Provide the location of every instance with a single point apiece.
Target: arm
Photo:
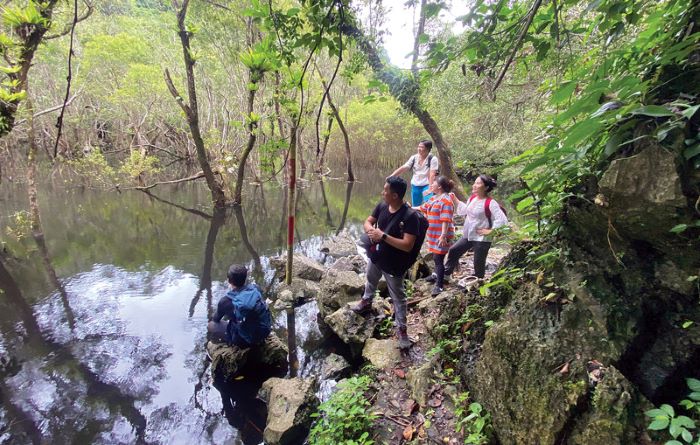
(446, 214)
(399, 170)
(406, 243)
(369, 223)
(433, 168)
(442, 241)
(460, 206)
(221, 309)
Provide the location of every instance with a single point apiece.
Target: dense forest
(585, 111)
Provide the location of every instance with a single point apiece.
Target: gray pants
(396, 291)
(481, 250)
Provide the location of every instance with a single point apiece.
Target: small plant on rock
(472, 420)
(345, 417)
(679, 427)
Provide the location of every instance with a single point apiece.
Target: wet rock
(337, 289)
(303, 267)
(228, 361)
(421, 380)
(341, 245)
(381, 353)
(290, 403)
(675, 278)
(354, 329)
(299, 292)
(334, 367)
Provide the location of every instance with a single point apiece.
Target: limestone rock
(303, 267)
(228, 361)
(354, 329)
(339, 288)
(341, 245)
(300, 291)
(420, 380)
(354, 263)
(381, 353)
(290, 403)
(334, 367)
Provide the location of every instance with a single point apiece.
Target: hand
(484, 232)
(375, 234)
(442, 241)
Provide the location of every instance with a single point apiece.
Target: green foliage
(16, 16)
(138, 164)
(665, 418)
(93, 167)
(472, 420)
(21, 225)
(344, 418)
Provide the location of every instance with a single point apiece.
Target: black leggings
(439, 268)
(481, 250)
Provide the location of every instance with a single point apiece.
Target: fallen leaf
(421, 431)
(395, 404)
(400, 373)
(408, 432)
(409, 407)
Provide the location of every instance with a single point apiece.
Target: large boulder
(354, 263)
(334, 367)
(341, 245)
(290, 403)
(299, 292)
(303, 267)
(228, 361)
(381, 353)
(337, 289)
(354, 329)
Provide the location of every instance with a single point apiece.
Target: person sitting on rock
(249, 320)
(397, 227)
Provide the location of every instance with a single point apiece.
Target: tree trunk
(322, 156)
(191, 109)
(348, 157)
(252, 136)
(407, 91)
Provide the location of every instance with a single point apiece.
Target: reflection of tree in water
(65, 415)
(243, 410)
(53, 277)
(348, 194)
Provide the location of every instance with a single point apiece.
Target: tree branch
(68, 28)
(174, 181)
(518, 42)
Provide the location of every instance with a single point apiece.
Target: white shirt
(421, 172)
(476, 217)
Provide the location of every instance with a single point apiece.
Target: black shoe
(432, 278)
(362, 307)
(404, 341)
(436, 291)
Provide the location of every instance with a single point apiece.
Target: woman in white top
(478, 225)
(425, 168)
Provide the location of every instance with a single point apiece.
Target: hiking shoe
(404, 342)
(362, 307)
(432, 278)
(436, 291)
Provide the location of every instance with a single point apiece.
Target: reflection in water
(326, 207)
(348, 194)
(126, 371)
(215, 223)
(51, 272)
(97, 393)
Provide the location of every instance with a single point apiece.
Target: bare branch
(175, 93)
(199, 175)
(67, 29)
(516, 47)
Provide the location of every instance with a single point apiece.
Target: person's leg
(481, 251)
(455, 253)
(439, 269)
(217, 331)
(398, 298)
(416, 195)
(373, 275)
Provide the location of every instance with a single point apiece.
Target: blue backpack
(251, 319)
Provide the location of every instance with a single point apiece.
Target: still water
(103, 321)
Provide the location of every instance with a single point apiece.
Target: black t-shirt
(391, 259)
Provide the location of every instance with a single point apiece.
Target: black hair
(427, 143)
(237, 275)
(445, 183)
(489, 182)
(397, 185)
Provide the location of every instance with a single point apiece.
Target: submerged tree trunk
(407, 91)
(320, 162)
(191, 109)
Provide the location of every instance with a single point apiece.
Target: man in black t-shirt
(393, 228)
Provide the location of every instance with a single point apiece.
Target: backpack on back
(487, 207)
(252, 316)
(422, 231)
